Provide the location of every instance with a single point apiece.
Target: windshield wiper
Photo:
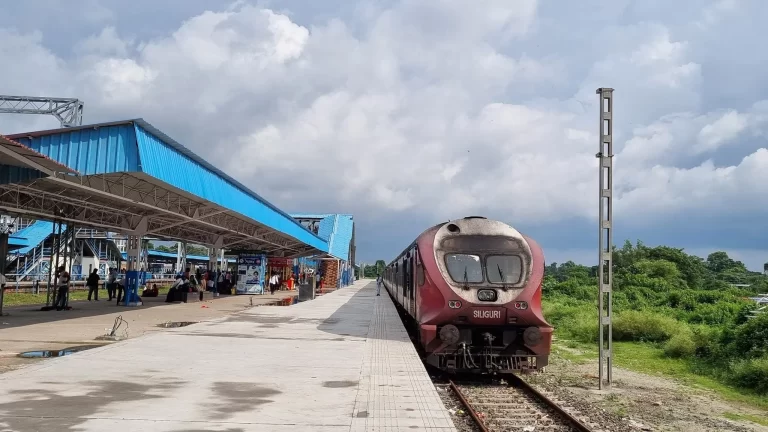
(466, 279)
(501, 275)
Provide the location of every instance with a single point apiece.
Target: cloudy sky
(408, 113)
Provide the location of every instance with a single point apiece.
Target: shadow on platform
(355, 317)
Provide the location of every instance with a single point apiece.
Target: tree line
(371, 270)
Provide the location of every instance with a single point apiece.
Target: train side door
(399, 282)
(396, 281)
(403, 273)
(418, 276)
(408, 266)
(410, 280)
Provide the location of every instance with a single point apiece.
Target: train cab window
(464, 268)
(504, 269)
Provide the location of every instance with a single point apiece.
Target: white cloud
(711, 14)
(422, 108)
(108, 42)
(724, 129)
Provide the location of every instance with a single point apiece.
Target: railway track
(515, 406)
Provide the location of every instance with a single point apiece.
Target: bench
(194, 297)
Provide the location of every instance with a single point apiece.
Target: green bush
(714, 314)
(572, 319)
(683, 299)
(751, 338)
(706, 340)
(751, 373)
(645, 326)
(680, 345)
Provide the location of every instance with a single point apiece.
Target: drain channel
(175, 324)
(56, 353)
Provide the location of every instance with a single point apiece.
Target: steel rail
(581, 427)
(468, 406)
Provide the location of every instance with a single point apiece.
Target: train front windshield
(504, 269)
(497, 260)
(464, 268)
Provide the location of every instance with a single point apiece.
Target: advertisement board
(250, 274)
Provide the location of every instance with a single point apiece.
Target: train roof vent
(475, 217)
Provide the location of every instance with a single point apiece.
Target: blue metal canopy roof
(336, 229)
(31, 236)
(137, 146)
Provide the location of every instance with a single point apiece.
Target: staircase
(92, 233)
(35, 261)
(96, 248)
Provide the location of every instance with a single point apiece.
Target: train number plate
(488, 315)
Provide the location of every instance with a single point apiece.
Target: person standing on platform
(378, 284)
(220, 284)
(63, 288)
(119, 287)
(205, 283)
(111, 282)
(211, 282)
(93, 285)
(3, 281)
(272, 283)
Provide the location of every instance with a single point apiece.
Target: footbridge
(129, 177)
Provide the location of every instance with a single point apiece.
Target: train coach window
(464, 268)
(420, 275)
(504, 269)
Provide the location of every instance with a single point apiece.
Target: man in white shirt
(62, 281)
(111, 282)
(120, 285)
(273, 283)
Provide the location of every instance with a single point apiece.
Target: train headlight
(521, 305)
(486, 295)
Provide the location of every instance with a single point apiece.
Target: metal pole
(72, 252)
(3, 255)
(179, 264)
(605, 236)
(55, 270)
(50, 264)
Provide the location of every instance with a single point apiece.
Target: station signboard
(279, 262)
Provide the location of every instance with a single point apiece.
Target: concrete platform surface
(342, 362)
(26, 328)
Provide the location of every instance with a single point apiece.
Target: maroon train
(471, 290)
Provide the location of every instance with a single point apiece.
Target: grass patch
(746, 417)
(574, 354)
(649, 359)
(29, 299)
(613, 403)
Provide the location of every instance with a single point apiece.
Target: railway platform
(342, 362)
